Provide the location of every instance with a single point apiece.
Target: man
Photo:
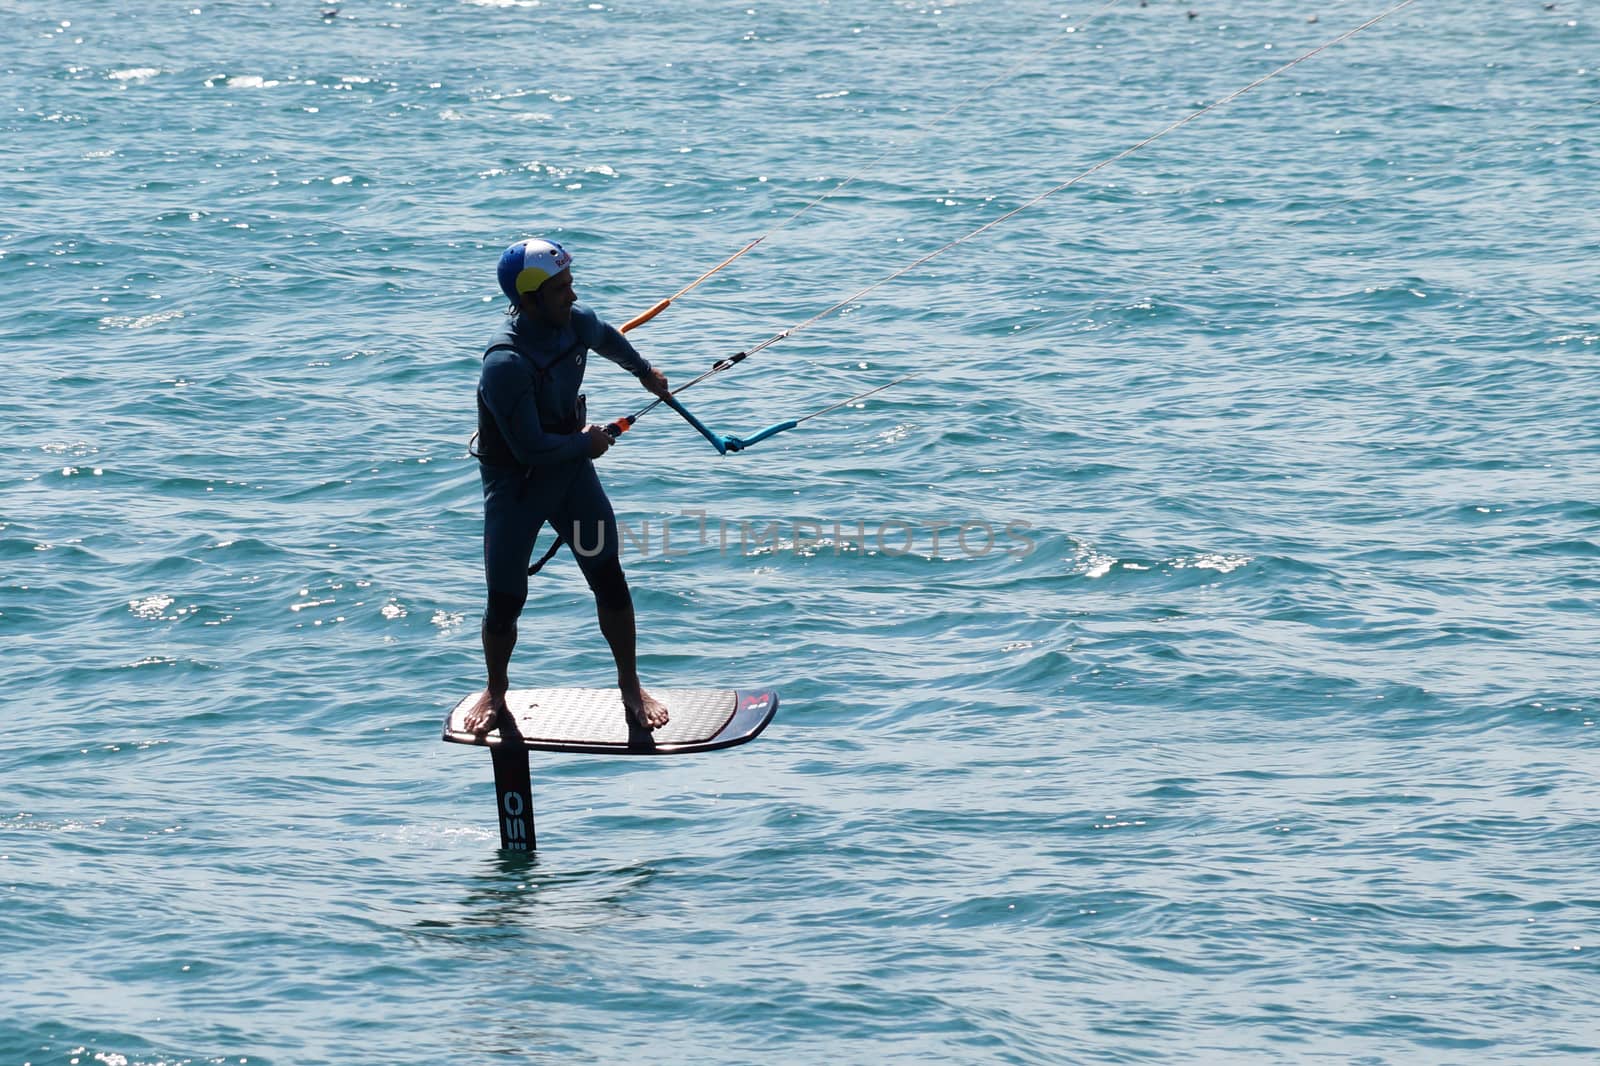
(536, 455)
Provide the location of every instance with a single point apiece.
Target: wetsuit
(534, 458)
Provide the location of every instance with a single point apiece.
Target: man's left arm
(608, 341)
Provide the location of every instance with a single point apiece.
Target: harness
(488, 445)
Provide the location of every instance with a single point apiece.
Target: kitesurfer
(535, 458)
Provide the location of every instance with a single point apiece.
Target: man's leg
(512, 514)
(499, 633)
(617, 624)
(591, 525)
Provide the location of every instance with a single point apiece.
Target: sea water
(1196, 662)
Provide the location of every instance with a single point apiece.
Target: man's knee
(500, 616)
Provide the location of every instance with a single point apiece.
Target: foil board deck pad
(592, 721)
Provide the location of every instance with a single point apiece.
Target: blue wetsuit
(534, 457)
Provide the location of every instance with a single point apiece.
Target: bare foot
(644, 710)
(483, 715)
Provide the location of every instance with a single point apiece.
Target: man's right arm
(507, 388)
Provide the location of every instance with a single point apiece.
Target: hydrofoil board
(592, 721)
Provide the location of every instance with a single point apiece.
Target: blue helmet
(528, 264)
